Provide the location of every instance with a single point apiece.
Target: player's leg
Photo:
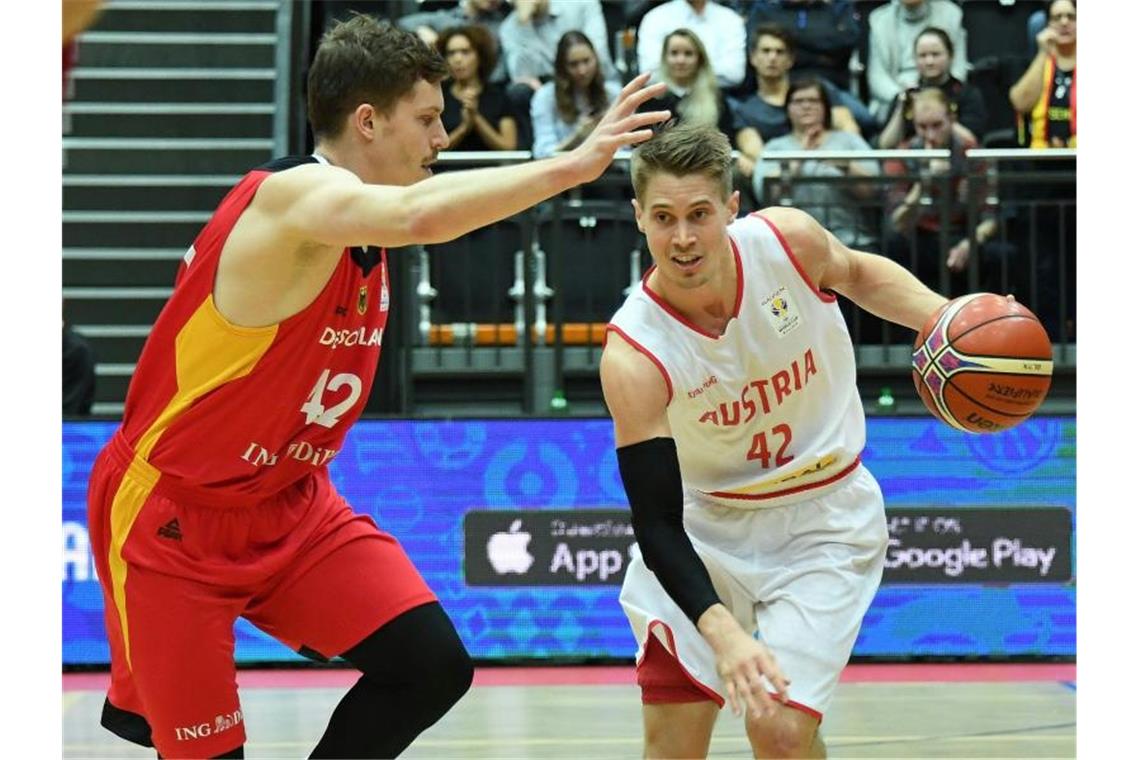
(677, 717)
(122, 709)
(172, 670)
(791, 732)
(821, 583)
(676, 668)
(355, 593)
(414, 669)
(180, 645)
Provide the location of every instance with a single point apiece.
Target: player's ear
(637, 214)
(733, 204)
(364, 120)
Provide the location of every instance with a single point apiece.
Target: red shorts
(301, 566)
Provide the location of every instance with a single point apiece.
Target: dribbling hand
(620, 127)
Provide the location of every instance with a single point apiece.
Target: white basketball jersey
(769, 412)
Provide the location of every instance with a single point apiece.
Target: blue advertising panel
(521, 529)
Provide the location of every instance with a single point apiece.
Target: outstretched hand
(620, 127)
(740, 662)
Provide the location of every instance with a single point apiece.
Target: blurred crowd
(532, 74)
(793, 75)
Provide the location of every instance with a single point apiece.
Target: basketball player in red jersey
(213, 500)
(730, 376)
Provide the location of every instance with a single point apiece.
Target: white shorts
(799, 577)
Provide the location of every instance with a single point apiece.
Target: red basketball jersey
(233, 414)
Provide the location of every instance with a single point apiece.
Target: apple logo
(507, 551)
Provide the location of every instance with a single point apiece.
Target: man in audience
(762, 117)
(720, 29)
(894, 27)
(825, 33)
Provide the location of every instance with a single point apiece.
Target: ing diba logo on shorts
(208, 728)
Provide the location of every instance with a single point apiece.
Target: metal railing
(556, 272)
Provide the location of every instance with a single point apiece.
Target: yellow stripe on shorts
(134, 489)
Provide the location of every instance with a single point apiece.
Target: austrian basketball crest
(781, 312)
(362, 300)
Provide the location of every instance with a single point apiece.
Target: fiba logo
(1018, 450)
(779, 306)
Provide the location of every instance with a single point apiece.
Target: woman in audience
(1045, 97)
(566, 109)
(892, 30)
(475, 114)
(832, 204)
(933, 57)
(693, 95)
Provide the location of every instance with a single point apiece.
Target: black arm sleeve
(651, 475)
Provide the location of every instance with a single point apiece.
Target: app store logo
(507, 553)
(567, 547)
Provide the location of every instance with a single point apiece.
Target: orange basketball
(982, 363)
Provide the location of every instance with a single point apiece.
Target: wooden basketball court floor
(881, 711)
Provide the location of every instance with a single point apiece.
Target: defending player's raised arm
(334, 210)
(873, 282)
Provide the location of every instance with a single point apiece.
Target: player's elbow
(428, 223)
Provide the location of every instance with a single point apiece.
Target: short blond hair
(683, 149)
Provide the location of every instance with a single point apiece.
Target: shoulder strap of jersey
(286, 162)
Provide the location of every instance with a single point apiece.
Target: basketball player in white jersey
(730, 376)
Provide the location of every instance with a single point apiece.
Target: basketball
(982, 363)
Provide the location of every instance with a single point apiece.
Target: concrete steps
(172, 102)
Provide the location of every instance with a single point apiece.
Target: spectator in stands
(916, 242)
(719, 28)
(1045, 101)
(1045, 97)
(693, 96)
(489, 13)
(567, 108)
(78, 373)
(529, 36)
(933, 52)
(894, 27)
(809, 112)
(475, 111)
(762, 117)
(824, 32)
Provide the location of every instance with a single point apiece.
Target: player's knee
(782, 736)
(451, 672)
